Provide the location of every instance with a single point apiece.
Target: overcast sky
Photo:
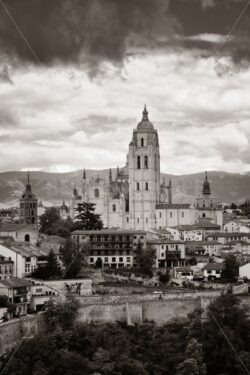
(71, 100)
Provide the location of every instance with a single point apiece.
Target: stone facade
(136, 199)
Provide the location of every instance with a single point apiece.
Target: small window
(138, 162)
(138, 220)
(142, 142)
(171, 214)
(114, 208)
(113, 260)
(146, 186)
(96, 193)
(160, 215)
(91, 260)
(128, 259)
(146, 220)
(146, 162)
(182, 214)
(137, 186)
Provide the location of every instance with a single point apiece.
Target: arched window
(146, 186)
(142, 142)
(27, 238)
(114, 208)
(138, 162)
(33, 220)
(204, 215)
(96, 193)
(146, 162)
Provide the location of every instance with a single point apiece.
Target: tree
(233, 206)
(62, 315)
(231, 270)
(193, 360)
(51, 270)
(227, 322)
(72, 259)
(145, 259)
(98, 263)
(165, 278)
(87, 219)
(52, 224)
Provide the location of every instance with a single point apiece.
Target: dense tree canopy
(52, 224)
(51, 270)
(215, 346)
(231, 270)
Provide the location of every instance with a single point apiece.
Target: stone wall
(12, 332)
(140, 309)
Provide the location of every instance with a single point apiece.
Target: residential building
(115, 248)
(225, 237)
(236, 226)
(25, 257)
(213, 270)
(169, 253)
(211, 248)
(244, 271)
(6, 268)
(17, 291)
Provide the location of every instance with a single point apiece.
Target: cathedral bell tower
(144, 175)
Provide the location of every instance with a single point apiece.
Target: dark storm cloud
(80, 30)
(214, 17)
(92, 31)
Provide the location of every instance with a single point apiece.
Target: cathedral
(135, 198)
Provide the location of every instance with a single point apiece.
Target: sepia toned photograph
(124, 187)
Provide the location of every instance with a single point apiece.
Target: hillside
(52, 188)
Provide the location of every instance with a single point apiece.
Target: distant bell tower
(144, 175)
(28, 205)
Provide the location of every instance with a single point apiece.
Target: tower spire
(28, 177)
(206, 186)
(84, 174)
(145, 114)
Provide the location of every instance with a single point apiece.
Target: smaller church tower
(28, 205)
(206, 186)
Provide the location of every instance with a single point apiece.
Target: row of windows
(113, 260)
(171, 214)
(146, 162)
(6, 269)
(138, 186)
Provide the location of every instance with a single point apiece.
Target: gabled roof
(214, 266)
(15, 282)
(9, 227)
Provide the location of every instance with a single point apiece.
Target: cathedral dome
(145, 124)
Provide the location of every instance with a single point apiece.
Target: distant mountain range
(53, 188)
